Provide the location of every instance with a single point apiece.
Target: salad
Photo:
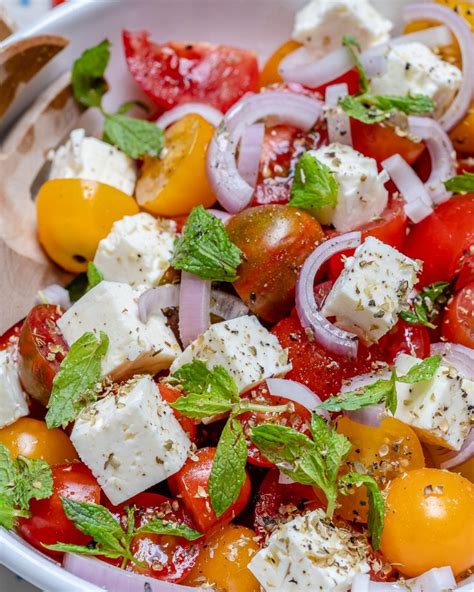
(261, 374)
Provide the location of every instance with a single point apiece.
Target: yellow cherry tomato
(384, 452)
(32, 438)
(429, 522)
(270, 74)
(177, 181)
(462, 135)
(466, 469)
(74, 215)
(223, 561)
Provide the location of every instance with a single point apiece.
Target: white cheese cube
(441, 410)
(243, 347)
(137, 251)
(412, 68)
(362, 195)
(322, 24)
(135, 347)
(372, 289)
(93, 160)
(130, 440)
(13, 401)
(309, 553)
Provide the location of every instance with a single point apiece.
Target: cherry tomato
(381, 141)
(48, 523)
(466, 273)
(41, 349)
(296, 417)
(175, 73)
(10, 337)
(165, 557)
(32, 438)
(429, 522)
(405, 338)
(270, 74)
(385, 452)
(170, 394)
(278, 502)
(275, 241)
(190, 484)
(442, 239)
(458, 320)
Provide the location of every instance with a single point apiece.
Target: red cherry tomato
(405, 338)
(466, 273)
(176, 73)
(443, 239)
(170, 395)
(10, 337)
(458, 320)
(296, 417)
(168, 558)
(48, 523)
(350, 78)
(41, 349)
(190, 484)
(278, 503)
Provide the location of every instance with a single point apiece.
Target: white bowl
(260, 25)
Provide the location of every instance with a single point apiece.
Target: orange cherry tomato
(429, 522)
(385, 452)
(270, 74)
(462, 135)
(458, 320)
(170, 395)
(223, 561)
(32, 438)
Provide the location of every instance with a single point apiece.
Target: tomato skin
(458, 320)
(270, 74)
(10, 337)
(170, 394)
(41, 350)
(191, 479)
(466, 274)
(48, 523)
(275, 241)
(442, 239)
(405, 338)
(176, 73)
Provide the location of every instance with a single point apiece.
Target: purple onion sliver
(315, 73)
(54, 294)
(210, 114)
(250, 151)
(456, 355)
(338, 122)
(194, 307)
(454, 458)
(155, 299)
(296, 392)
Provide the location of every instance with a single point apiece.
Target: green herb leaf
(372, 394)
(314, 185)
(94, 275)
(357, 109)
(205, 248)
(73, 385)
(376, 503)
(129, 105)
(135, 137)
(160, 526)
(425, 370)
(78, 287)
(461, 183)
(351, 42)
(376, 108)
(196, 377)
(88, 82)
(427, 305)
(83, 550)
(196, 406)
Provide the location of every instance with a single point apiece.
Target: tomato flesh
(170, 394)
(405, 338)
(458, 320)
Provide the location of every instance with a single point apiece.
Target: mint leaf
(425, 370)
(135, 137)
(8, 473)
(196, 406)
(377, 108)
(427, 305)
(376, 503)
(88, 82)
(160, 526)
(461, 183)
(372, 394)
(205, 248)
(196, 377)
(129, 105)
(350, 42)
(357, 109)
(83, 550)
(314, 185)
(73, 385)
(94, 275)
(228, 467)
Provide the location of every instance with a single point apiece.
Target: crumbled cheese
(13, 400)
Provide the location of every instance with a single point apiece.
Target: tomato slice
(165, 557)
(176, 73)
(170, 395)
(296, 417)
(466, 273)
(458, 321)
(41, 349)
(190, 484)
(10, 337)
(405, 338)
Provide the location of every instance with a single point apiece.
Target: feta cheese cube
(322, 24)
(301, 556)
(137, 251)
(412, 68)
(134, 347)
(130, 440)
(441, 410)
(93, 160)
(13, 401)
(243, 347)
(372, 289)
(362, 195)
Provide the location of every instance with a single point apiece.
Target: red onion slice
(458, 356)
(224, 216)
(297, 392)
(328, 335)
(338, 122)
(374, 414)
(250, 151)
(115, 579)
(54, 294)
(194, 307)
(227, 306)
(210, 114)
(459, 27)
(442, 153)
(452, 458)
(156, 299)
(438, 579)
(314, 73)
(416, 197)
(232, 191)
